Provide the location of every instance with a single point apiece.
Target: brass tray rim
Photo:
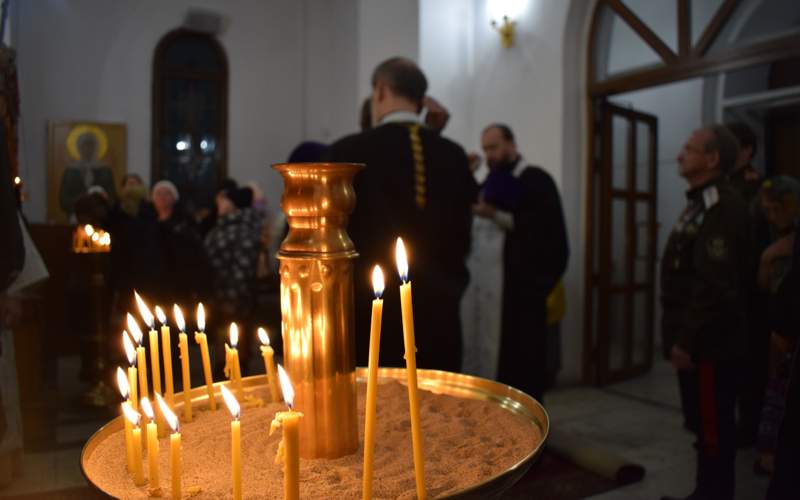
(426, 379)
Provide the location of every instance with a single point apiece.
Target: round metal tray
(439, 382)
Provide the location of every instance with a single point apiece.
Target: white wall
(386, 28)
(331, 103)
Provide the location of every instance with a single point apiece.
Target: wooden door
(625, 217)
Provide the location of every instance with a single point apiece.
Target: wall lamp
(503, 15)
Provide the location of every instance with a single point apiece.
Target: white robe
(482, 304)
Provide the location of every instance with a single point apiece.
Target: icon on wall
(83, 157)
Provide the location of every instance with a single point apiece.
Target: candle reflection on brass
(317, 304)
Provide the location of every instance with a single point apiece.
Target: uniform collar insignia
(710, 196)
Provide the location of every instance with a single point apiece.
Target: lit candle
(155, 364)
(166, 350)
(152, 443)
(411, 366)
(130, 352)
(289, 447)
(372, 381)
(232, 368)
(124, 390)
(138, 336)
(269, 363)
(200, 338)
(183, 342)
(174, 447)
(134, 417)
(236, 442)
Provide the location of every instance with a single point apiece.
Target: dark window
(190, 114)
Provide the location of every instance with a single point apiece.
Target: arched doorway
(636, 45)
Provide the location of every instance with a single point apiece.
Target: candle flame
(172, 420)
(234, 335)
(122, 382)
(17, 180)
(262, 336)
(147, 408)
(201, 317)
(377, 281)
(130, 351)
(105, 240)
(95, 237)
(179, 317)
(132, 415)
(402, 260)
(147, 316)
(286, 387)
(88, 229)
(231, 403)
(136, 332)
(162, 318)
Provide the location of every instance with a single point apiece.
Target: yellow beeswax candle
(186, 377)
(141, 357)
(166, 351)
(152, 444)
(128, 440)
(411, 367)
(136, 442)
(372, 381)
(130, 352)
(269, 364)
(155, 364)
(124, 390)
(236, 442)
(200, 338)
(175, 463)
(174, 447)
(289, 447)
(232, 367)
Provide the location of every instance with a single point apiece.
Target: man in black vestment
(416, 185)
(524, 201)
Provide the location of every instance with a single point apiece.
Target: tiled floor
(641, 420)
(638, 419)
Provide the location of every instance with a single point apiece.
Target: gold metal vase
(316, 270)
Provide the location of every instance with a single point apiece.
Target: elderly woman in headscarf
(181, 262)
(780, 203)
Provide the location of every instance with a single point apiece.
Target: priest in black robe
(524, 202)
(416, 185)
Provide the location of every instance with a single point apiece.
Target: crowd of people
(218, 256)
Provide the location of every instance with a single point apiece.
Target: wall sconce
(506, 30)
(503, 15)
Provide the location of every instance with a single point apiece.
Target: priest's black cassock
(535, 256)
(416, 185)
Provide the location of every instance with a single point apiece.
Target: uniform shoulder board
(710, 196)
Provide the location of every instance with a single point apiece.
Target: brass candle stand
(316, 271)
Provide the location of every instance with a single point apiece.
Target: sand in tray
(466, 442)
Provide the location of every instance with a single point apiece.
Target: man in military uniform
(417, 185)
(705, 271)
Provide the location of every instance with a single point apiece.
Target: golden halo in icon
(77, 131)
